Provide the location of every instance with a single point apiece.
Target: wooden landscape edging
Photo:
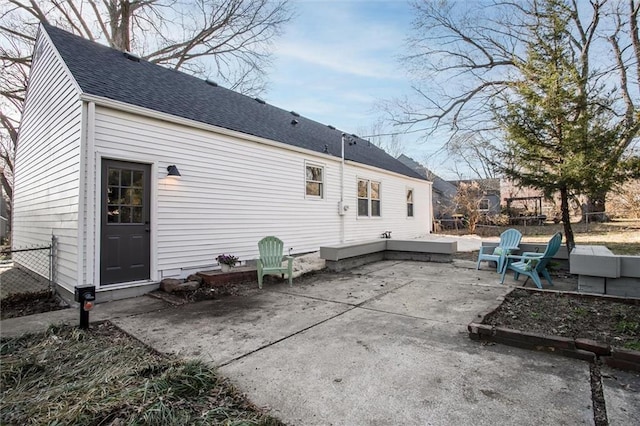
(583, 349)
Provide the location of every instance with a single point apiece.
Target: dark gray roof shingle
(106, 72)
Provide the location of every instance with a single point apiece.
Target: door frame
(97, 217)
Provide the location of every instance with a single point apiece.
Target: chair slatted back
(271, 250)
(552, 248)
(510, 238)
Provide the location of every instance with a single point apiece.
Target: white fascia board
(133, 109)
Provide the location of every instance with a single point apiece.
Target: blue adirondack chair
(533, 264)
(271, 258)
(509, 241)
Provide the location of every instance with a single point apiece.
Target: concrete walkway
(382, 344)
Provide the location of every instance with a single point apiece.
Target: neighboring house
(100, 131)
(443, 192)
(489, 203)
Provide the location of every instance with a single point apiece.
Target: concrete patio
(385, 343)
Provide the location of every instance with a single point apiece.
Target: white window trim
(369, 199)
(323, 186)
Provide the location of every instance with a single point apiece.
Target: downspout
(341, 205)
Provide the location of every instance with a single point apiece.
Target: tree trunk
(566, 219)
(120, 16)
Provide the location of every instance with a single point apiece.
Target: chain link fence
(27, 270)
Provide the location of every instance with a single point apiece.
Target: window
(125, 194)
(368, 198)
(409, 202)
(483, 205)
(314, 181)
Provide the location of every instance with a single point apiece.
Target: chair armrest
(489, 248)
(524, 256)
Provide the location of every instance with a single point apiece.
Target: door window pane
(125, 195)
(114, 177)
(137, 215)
(138, 179)
(125, 177)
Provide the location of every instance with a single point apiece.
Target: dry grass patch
(104, 377)
(620, 236)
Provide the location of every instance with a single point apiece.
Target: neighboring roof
(491, 186)
(108, 73)
(439, 184)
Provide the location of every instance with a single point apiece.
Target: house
(443, 192)
(489, 202)
(105, 135)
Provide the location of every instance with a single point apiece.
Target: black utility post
(86, 296)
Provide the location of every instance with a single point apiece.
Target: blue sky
(339, 58)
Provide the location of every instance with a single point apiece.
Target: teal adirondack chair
(509, 241)
(533, 264)
(271, 258)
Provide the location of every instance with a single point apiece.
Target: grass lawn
(105, 377)
(620, 236)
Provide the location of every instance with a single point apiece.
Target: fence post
(51, 260)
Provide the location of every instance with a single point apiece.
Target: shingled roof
(112, 74)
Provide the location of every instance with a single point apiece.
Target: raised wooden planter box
(584, 349)
(236, 275)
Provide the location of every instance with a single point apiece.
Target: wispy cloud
(339, 59)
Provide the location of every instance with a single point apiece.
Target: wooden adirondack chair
(271, 258)
(509, 241)
(534, 264)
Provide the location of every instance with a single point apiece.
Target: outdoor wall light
(173, 171)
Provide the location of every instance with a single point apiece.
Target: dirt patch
(18, 305)
(572, 316)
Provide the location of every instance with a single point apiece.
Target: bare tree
(624, 202)
(379, 135)
(465, 55)
(227, 40)
(467, 202)
(475, 154)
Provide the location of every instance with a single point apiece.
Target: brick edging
(584, 349)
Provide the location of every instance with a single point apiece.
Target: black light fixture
(173, 171)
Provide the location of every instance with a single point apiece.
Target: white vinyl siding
(234, 192)
(47, 164)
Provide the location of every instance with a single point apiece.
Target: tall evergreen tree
(550, 118)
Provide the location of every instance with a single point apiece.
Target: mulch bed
(21, 304)
(604, 320)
